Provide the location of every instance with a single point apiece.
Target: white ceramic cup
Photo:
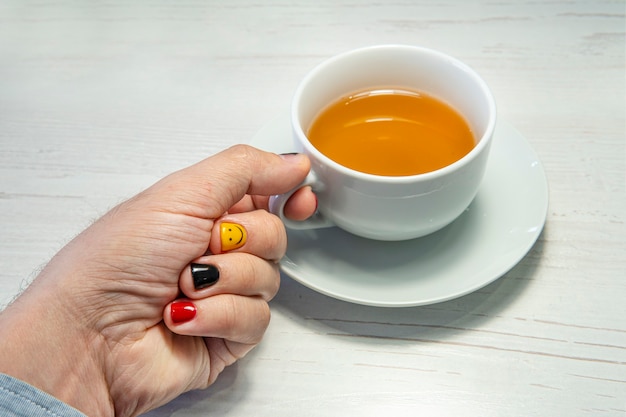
(391, 207)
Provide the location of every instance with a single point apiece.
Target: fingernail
(291, 156)
(182, 311)
(204, 275)
(233, 236)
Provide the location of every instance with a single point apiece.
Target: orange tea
(391, 132)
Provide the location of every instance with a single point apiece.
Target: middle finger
(256, 232)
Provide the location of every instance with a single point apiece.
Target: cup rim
(483, 141)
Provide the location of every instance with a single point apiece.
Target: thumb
(213, 185)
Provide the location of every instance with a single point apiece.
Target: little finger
(230, 317)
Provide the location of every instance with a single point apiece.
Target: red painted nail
(182, 311)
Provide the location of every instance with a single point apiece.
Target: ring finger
(232, 273)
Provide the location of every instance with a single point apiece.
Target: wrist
(42, 345)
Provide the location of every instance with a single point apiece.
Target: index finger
(300, 206)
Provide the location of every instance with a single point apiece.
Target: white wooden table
(100, 99)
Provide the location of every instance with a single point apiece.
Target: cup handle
(316, 221)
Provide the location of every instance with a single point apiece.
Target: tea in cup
(398, 138)
(391, 132)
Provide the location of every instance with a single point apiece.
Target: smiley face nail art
(233, 236)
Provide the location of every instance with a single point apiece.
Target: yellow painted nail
(233, 236)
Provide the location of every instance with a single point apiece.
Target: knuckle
(245, 319)
(274, 284)
(251, 275)
(243, 152)
(276, 229)
(263, 317)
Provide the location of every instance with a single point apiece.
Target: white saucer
(496, 231)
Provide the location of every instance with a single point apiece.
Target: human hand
(99, 327)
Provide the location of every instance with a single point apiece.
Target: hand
(114, 324)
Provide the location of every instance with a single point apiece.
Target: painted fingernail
(204, 275)
(182, 311)
(233, 236)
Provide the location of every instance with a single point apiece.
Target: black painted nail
(204, 275)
